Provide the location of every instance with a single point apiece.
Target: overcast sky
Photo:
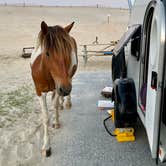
(106, 3)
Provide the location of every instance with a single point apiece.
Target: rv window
(135, 43)
(131, 3)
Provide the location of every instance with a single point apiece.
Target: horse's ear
(44, 27)
(68, 27)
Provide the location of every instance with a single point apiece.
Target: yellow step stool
(122, 134)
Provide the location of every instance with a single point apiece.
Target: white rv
(145, 42)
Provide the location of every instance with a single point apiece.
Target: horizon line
(37, 5)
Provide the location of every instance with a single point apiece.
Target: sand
(19, 111)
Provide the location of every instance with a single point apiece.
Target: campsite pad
(82, 139)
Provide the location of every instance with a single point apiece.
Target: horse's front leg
(57, 105)
(67, 102)
(46, 149)
(61, 101)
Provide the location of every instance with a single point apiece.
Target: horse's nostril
(64, 91)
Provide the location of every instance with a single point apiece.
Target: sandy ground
(20, 122)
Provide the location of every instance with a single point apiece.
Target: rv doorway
(145, 57)
(151, 70)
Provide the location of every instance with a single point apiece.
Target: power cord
(104, 123)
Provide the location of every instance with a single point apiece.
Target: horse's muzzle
(64, 91)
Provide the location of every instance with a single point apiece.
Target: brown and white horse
(53, 64)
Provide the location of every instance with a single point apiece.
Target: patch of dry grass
(15, 104)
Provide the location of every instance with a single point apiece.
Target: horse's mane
(56, 40)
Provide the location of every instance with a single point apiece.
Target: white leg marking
(61, 100)
(67, 102)
(56, 106)
(44, 109)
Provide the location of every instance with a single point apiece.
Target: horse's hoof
(56, 125)
(46, 152)
(68, 106)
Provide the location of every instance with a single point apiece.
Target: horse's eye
(47, 53)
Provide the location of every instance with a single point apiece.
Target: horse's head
(57, 51)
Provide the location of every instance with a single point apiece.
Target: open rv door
(154, 73)
(147, 66)
(161, 147)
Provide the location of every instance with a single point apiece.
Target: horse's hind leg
(56, 106)
(46, 149)
(67, 102)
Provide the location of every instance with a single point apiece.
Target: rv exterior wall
(138, 11)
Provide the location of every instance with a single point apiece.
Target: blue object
(108, 53)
